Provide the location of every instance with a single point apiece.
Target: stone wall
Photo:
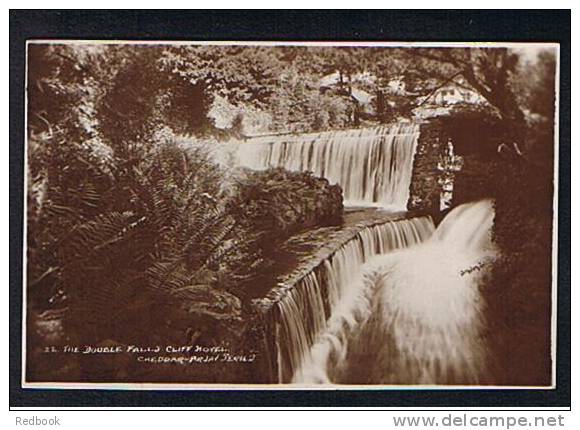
(424, 190)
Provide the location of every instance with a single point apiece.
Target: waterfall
(424, 318)
(328, 299)
(372, 165)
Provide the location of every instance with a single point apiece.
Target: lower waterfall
(330, 297)
(413, 316)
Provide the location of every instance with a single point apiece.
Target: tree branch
(445, 82)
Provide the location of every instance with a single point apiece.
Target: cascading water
(372, 165)
(420, 316)
(328, 298)
(397, 304)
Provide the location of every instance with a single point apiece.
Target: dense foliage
(126, 227)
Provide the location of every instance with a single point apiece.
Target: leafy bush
(155, 226)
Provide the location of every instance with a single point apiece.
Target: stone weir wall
(325, 242)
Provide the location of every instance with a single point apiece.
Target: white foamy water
(412, 316)
(328, 298)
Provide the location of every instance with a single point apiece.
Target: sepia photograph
(290, 215)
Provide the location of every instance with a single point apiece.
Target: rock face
(283, 202)
(425, 188)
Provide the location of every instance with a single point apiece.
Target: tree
(484, 70)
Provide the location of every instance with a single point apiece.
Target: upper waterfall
(372, 165)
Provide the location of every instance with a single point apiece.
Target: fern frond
(96, 234)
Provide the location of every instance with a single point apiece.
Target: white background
(251, 419)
